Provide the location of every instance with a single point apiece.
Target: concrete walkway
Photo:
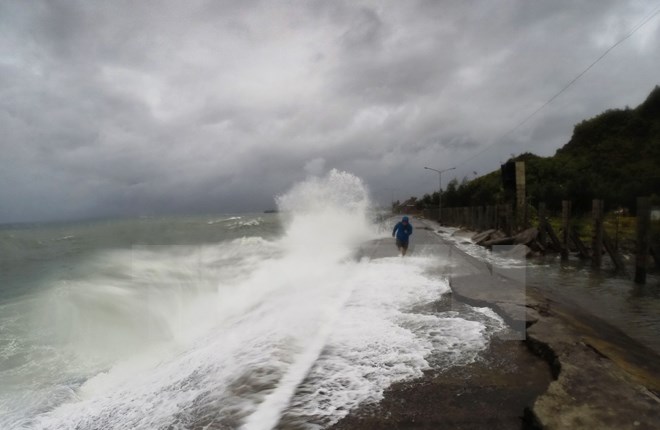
(486, 394)
(602, 378)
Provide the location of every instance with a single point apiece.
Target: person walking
(402, 230)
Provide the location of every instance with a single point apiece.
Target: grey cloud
(365, 31)
(127, 108)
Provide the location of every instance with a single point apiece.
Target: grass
(621, 229)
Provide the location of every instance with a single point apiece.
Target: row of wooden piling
(504, 218)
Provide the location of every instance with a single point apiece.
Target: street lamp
(440, 189)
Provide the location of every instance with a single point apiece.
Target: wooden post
(493, 217)
(643, 238)
(487, 223)
(542, 224)
(486, 217)
(655, 253)
(582, 250)
(478, 217)
(614, 254)
(521, 199)
(503, 219)
(508, 219)
(553, 237)
(475, 218)
(489, 217)
(597, 236)
(566, 226)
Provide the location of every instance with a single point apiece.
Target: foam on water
(236, 222)
(221, 220)
(245, 334)
(498, 256)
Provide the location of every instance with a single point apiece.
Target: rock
(479, 238)
(500, 241)
(462, 234)
(536, 246)
(499, 234)
(527, 236)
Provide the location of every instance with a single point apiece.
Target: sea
(607, 293)
(222, 321)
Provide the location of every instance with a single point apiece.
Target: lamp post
(440, 189)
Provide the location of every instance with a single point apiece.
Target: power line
(639, 25)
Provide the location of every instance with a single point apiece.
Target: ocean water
(612, 296)
(251, 321)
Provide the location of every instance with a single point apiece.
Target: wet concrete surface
(491, 393)
(568, 370)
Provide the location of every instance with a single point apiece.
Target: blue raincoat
(402, 231)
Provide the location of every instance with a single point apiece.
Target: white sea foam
(67, 237)
(222, 220)
(247, 223)
(499, 259)
(249, 332)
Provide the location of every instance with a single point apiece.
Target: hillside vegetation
(614, 156)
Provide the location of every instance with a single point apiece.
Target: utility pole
(440, 172)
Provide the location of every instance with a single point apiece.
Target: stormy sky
(128, 108)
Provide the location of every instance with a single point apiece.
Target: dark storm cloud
(130, 108)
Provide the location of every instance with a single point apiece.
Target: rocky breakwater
(602, 378)
(523, 244)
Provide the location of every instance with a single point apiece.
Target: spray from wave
(327, 216)
(248, 333)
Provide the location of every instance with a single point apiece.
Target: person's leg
(404, 249)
